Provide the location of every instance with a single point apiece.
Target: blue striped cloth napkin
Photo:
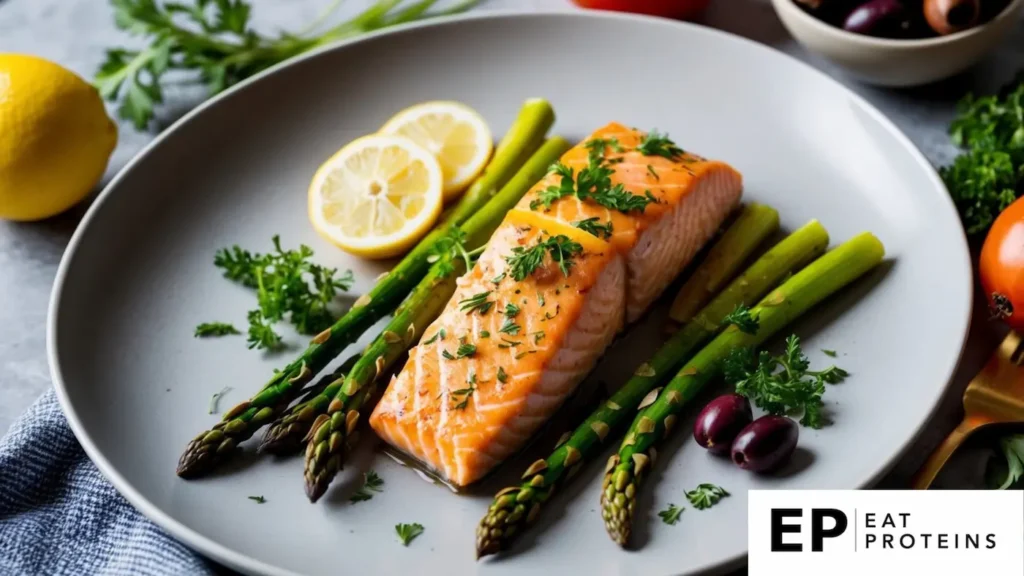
(59, 516)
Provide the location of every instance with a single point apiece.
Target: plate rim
(231, 558)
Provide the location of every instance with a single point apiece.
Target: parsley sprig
(742, 319)
(671, 514)
(371, 483)
(476, 303)
(451, 246)
(989, 175)
(782, 384)
(705, 496)
(594, 227)
(524, 261)
(657, 144)
(288, 284)
(593, 183)
(408, 532)
(212, 41)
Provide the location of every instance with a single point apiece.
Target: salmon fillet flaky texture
(585, 252)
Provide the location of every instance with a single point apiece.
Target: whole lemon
(55, 138)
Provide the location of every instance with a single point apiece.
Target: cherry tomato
(684, 9)
(1002, 266)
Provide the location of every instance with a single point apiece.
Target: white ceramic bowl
(889, 62)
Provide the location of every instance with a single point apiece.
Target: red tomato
(1002, 266)
(669, 8)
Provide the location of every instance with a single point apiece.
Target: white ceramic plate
(138, 277)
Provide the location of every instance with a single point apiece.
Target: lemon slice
(455, 133)
(377, 196)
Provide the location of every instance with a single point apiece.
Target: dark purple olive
(885, 18)
(949, 16)
(720, 421)
(765, 444)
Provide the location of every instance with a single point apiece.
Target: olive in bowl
(900, 42)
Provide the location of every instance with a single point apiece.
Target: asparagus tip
(617, 504)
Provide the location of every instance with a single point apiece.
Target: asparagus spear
(515, 508)
(333, 431)
(625, 470)
(209, 448)
(755, 223)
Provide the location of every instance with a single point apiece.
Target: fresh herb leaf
(502, 376)
(829, 353)
(216, 398)
(497, 279)
(447, 355)
(597, 147)
(476, 302)
(465, 351)
(215, 329)
(408, 532)
(658, 144)
(705, 496)
(511, 310)
(989, 175)
(506, 343)
(653, 173)
(371, 483)
(524, 261)
(742, 319)
(1007, 472)
(509, 327)
(538, 336)
(288, 285)
(258, 499)
(448, 248)
(437, 335)
(212, 42)
(617, 198)
(594, 227)
(485, 334)
(465, 393)
(671, 514)
(782, 384)
(551, 194)
(540, 299)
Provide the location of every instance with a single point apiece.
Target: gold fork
(994, 396)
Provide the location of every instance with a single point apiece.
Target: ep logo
(821, 523)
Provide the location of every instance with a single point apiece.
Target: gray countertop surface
(75, 33)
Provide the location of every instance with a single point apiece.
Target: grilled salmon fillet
(507, 351)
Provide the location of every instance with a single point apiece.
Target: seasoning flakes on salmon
(585, 252)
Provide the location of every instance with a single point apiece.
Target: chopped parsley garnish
(538, 336)
(497, 279)
(439, 335)
(465, 393)
(671, 514)
(597, 146)
(742, 319)
(594, 227)
(658, 144)
(371, 483)
(511, 310)
(549, 195)
(447, 355)
(465, 350)
(485, 334)
(258, 499)
(215, 329)
(782, 384)
(521, 354)
(524, 261)
(476, 302)
(705, 496)
(829, 353)
(502, 376)
(653, 173)
(506, 343)
(540, 299)
(408, 532)
(510, 328)
(549, 315)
